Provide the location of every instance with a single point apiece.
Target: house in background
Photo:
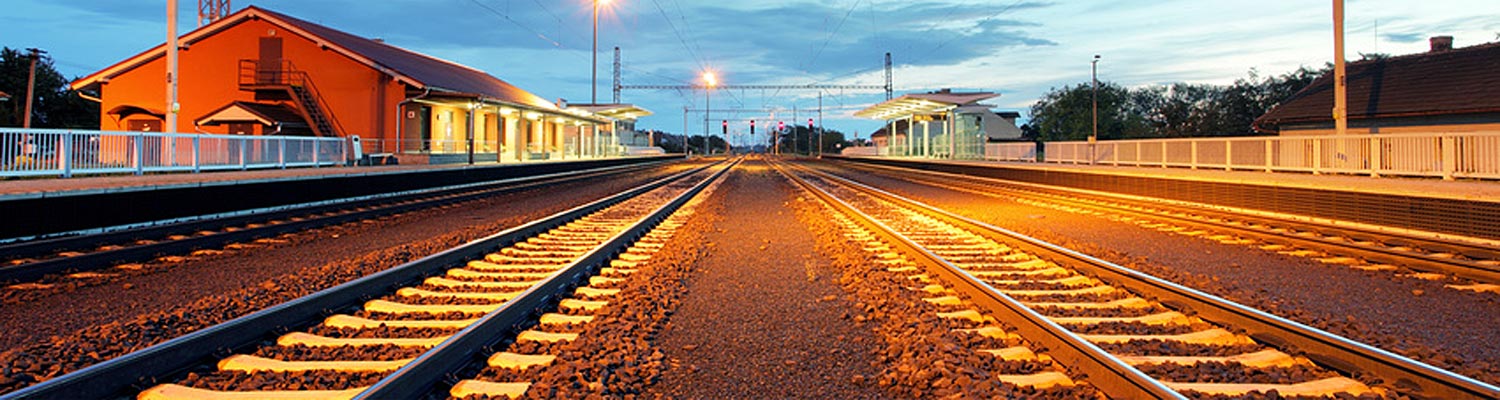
(919, 124)
(259, 72)
(1442, 90)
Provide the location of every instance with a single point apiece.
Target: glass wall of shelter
(946, 135)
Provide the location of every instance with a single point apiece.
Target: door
(269, 69)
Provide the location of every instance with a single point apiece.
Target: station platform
(1463, 209)
(52, 187)
(44, 207)
(1472, 190)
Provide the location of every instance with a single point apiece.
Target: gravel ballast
(171, 298)
(1421, 319)
(762, 318)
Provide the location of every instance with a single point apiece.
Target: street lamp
(709, 81)
(594, 72)
(1094, 135)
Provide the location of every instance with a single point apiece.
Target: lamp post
(709, 82)
(594, 67)
(1094, 134)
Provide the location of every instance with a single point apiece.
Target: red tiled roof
(1458, 81)
(433, 72)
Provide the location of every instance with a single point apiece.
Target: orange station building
(258, 72)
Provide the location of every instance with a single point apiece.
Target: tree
(54, 105)
(1174, 110)
(1067, 113)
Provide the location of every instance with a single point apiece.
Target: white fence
(1446, 155)
(40, 152)
(1010, 151)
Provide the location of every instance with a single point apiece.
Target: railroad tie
(613, 272)
(487, 266)
(1326, 387)
(392, 307)
(173, 391)
(1260, 359)
(311, 340)
(1130, 302)
(1015, 353)
(1101, 289)
(512, 276)
(992, 332)
(350, 321)
(586, 305)
(1040, 380)
(472, 387)
(251, 363)
(545, 337)
(564, 319)
(1161, 318)
(446, 282)
(498, 297)
(1214, 336)
(518, 361)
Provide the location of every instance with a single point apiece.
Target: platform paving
(1476, 190)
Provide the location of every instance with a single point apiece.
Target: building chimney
(1441, 43)
(377, 40)
(562, 103)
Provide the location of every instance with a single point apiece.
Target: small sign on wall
(411, 114)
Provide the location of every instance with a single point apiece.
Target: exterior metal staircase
(282, 76)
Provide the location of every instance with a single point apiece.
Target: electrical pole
(1093, 135)
(171, 126)
(1340, 96)
(820, 125)
(31, 85)
(594, 66)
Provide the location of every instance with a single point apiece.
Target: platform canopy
(614, 111)
(922, 104)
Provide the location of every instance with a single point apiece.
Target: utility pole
(1093, 135)
(1340, 96)
(794, 129)
(172, 107)
(31, 85)
(594, 60)
(819, 145)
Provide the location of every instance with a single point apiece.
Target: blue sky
(1019, 49)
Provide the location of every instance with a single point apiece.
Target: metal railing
(282, 73)
(1445, 155)
(1010, 151)
(61, 152)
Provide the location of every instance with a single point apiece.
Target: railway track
(1129, 334)
(403, 330)
(84, 254)
(1372, 247)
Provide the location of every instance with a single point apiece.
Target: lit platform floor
(1469, 190)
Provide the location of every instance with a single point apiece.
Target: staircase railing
(282, 73)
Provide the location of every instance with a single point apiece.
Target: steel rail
(1342, 354)
(119, 376)
(421, 376)
(1103, 370)
(376, 207)
(1422, 262)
